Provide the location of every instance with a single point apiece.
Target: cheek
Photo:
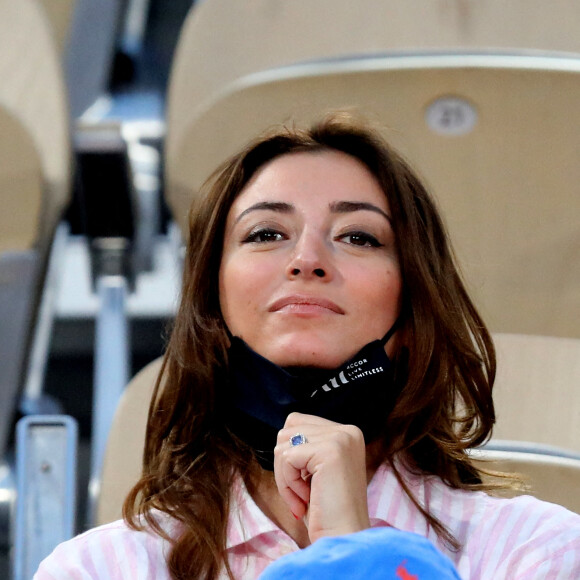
(394, 285)
(230, 295)
(242, 288)
(380, 295)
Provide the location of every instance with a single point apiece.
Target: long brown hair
(445, 356)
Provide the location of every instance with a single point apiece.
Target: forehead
(300, 177)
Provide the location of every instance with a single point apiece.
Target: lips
(304, 302)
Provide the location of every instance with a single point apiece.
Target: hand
(324, 480)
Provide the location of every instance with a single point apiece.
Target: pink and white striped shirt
(515, 539)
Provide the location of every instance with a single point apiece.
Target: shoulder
(521, 538)
(112, 552)
(532, 539)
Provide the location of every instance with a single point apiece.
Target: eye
(362, 239)
(263, 235)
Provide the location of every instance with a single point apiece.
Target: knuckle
(352, 436)
(281, 437)
(292, 419)
(341, 438)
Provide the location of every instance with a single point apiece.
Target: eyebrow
(278, 206)
(351, 206)
(335, 207)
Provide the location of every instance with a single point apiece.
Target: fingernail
(295, 516)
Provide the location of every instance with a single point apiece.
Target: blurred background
(112, 114)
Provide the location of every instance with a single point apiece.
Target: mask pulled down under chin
(261, 395)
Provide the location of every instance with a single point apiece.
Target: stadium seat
(550, 478)
(537, 391)
(224, 40)
(480, 96)
(124, 454)
(34, 183)
(495, 137)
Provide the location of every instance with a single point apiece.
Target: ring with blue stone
(298, 439)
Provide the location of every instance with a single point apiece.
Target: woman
(327, 373)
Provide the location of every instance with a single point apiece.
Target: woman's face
(309, 272)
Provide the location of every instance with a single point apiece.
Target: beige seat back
(224, 40)
(547, 477)
(60, 15)
(34, 128)
(124, 454)
(537, 391)
(508, 179)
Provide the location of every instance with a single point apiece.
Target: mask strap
(391, 331)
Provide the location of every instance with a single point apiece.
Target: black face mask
(261, 395)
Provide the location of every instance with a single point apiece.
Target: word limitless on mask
(360, 392)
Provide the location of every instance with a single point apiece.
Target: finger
(293, 489)
(293, 501)
(292, 474)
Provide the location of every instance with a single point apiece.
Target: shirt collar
(247, 521)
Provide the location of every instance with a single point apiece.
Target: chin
(306, 357)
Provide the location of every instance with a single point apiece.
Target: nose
(310, 259)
